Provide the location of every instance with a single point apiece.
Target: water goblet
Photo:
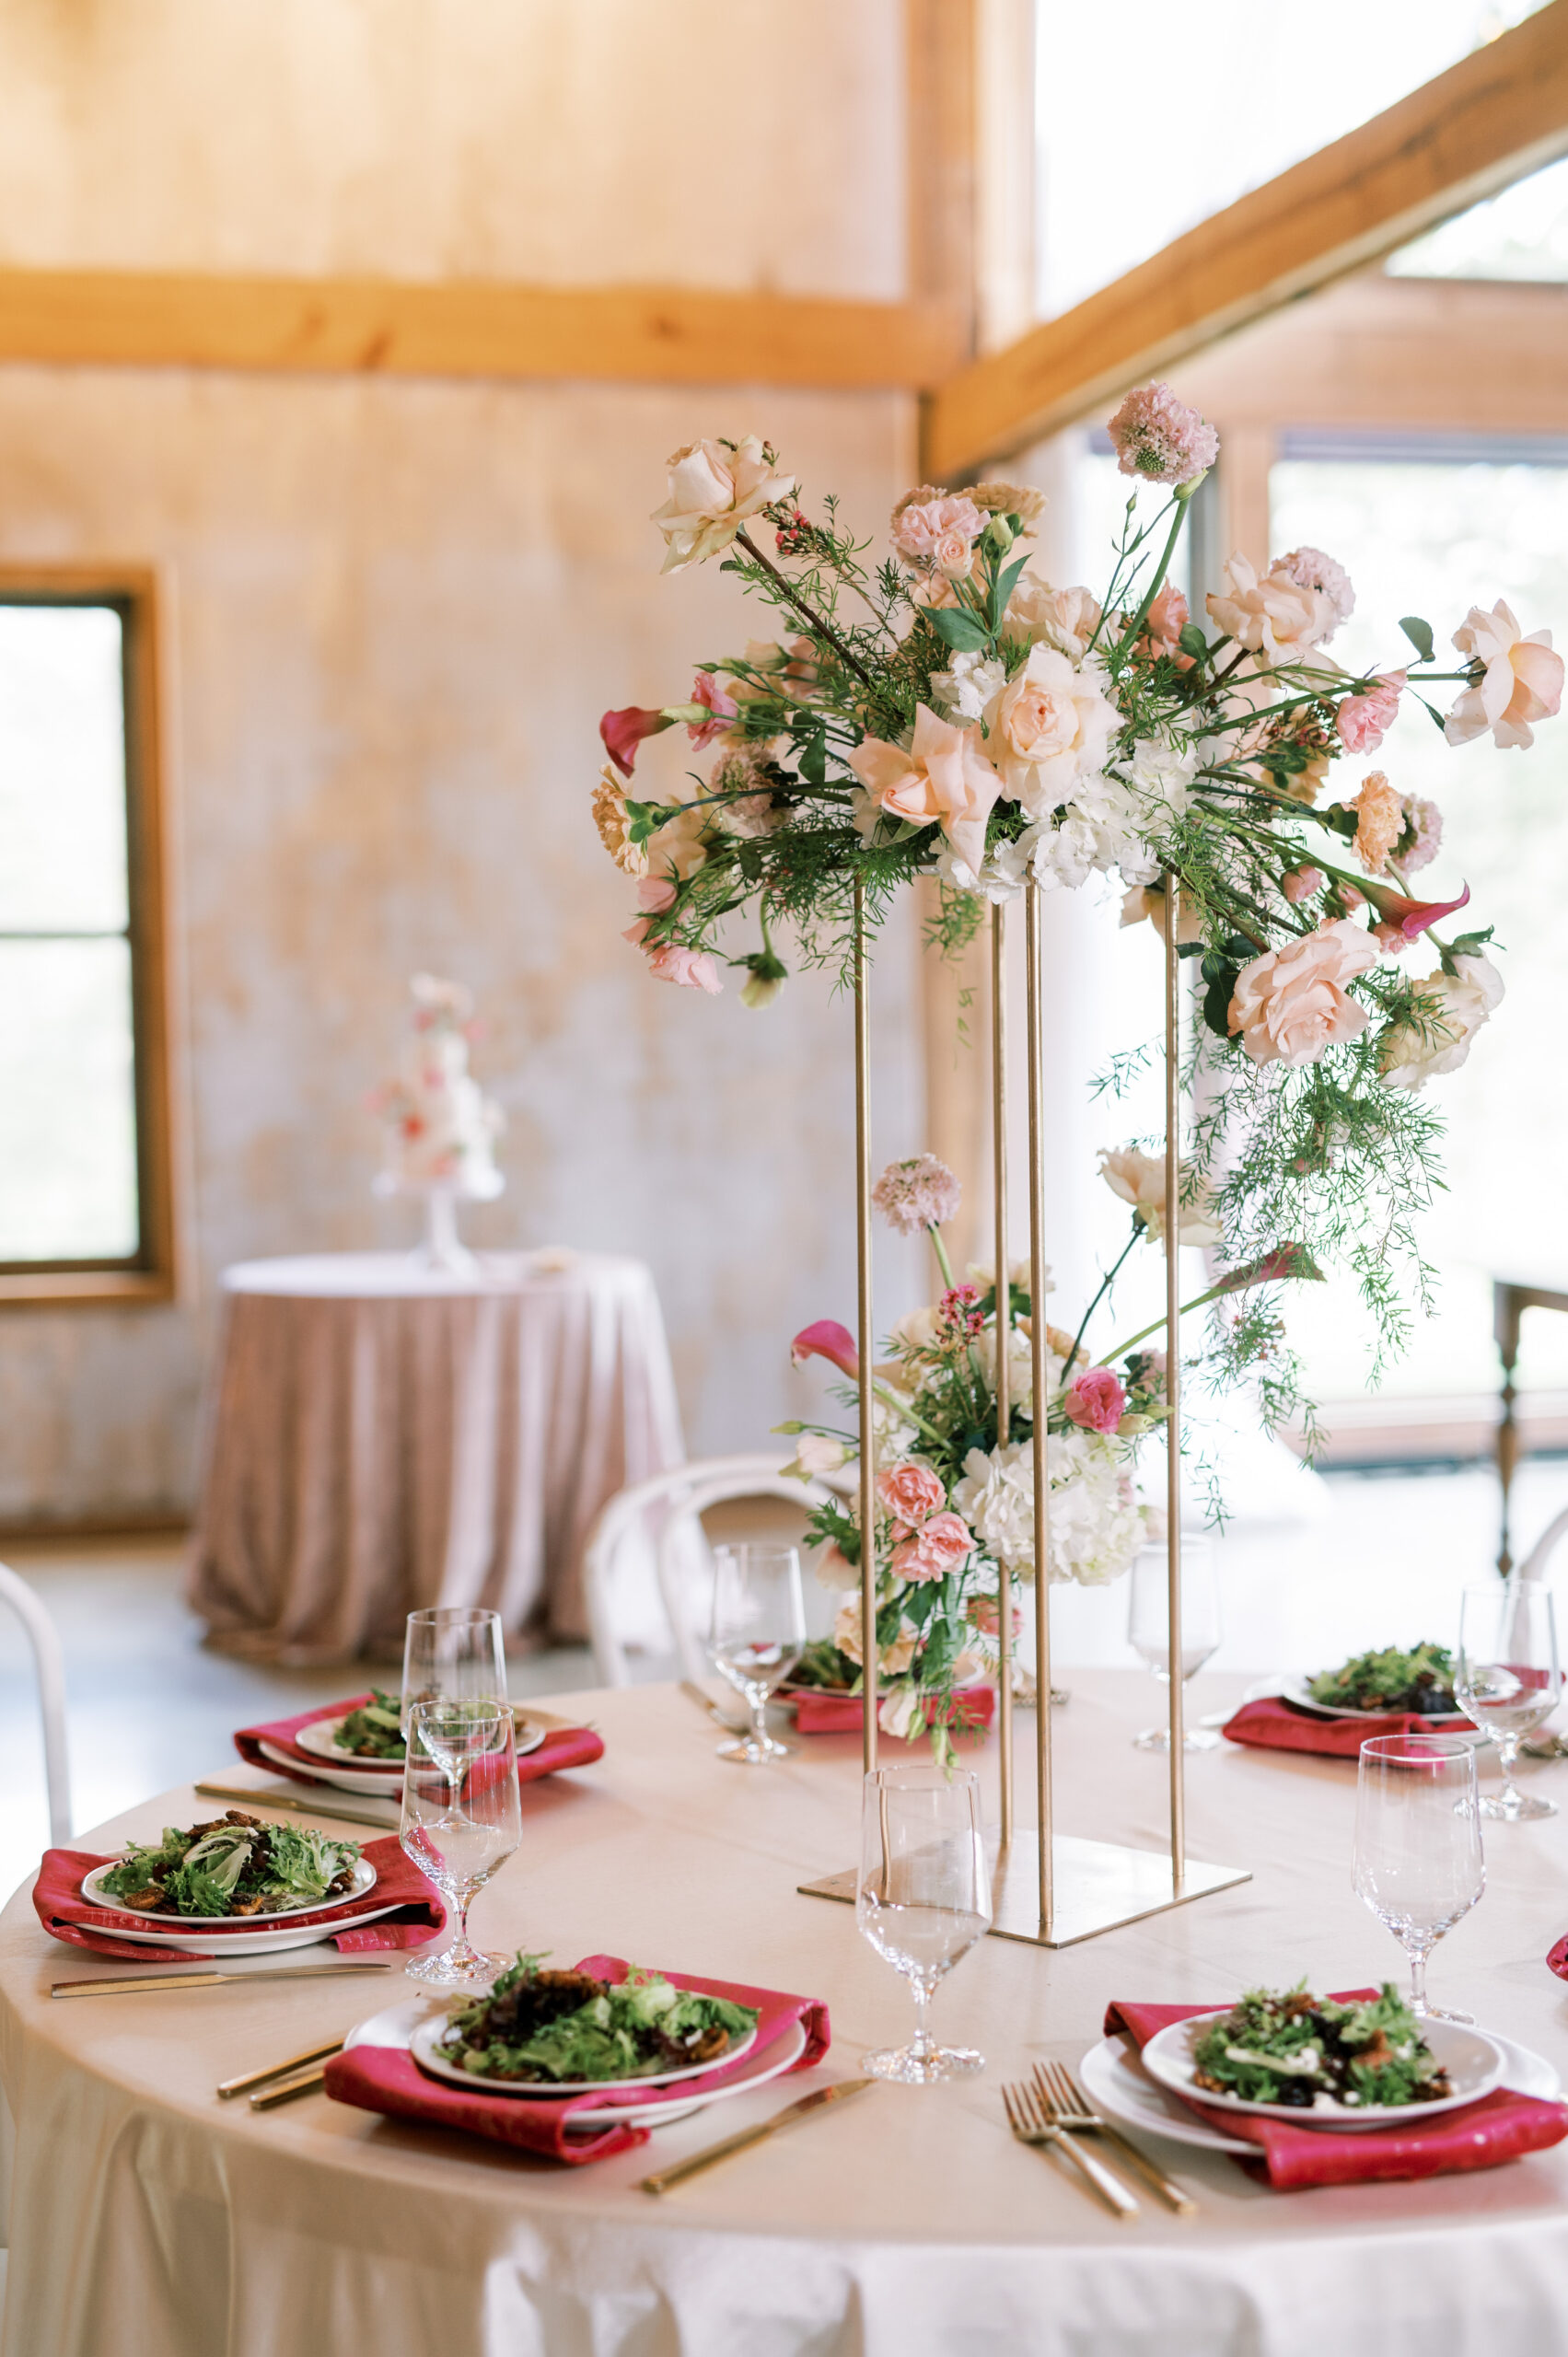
(461, 1819)
(1508, 1678)
(1148, 1627)
(756, 1636)
(923, 1900)
(1418, 1860)
(453, 1653)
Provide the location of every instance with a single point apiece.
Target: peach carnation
(1291, 1005)
(911, 1493)
(614, 824)
(937, 1547)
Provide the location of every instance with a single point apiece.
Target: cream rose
(714, 487)
(894, 1658)
(1139, 1179)
(1522, 681)
(1291, 1005)
(1065, 619)
(1279, 619)
(1454, 1007)
(1050, 727)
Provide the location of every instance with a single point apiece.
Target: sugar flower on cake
(439, 1130)
(1520, 681)
(715, 488)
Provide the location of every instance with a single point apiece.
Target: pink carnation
(1160, 439)
(934, 1551)
(693, 969)
(984, 1613)
(940, 530)
(706, 690)
(911, 1494)
(1424, 820)
(1310, 569)
(1167, 618)
(1096, 1401)
(1362, 720)
(919, 1193)
(1301, 884)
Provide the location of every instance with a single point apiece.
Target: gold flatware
(1027, 2119)
(790, 2116)
(303, 2082)
(694, 1693)
(228, 2088)
(128, 1984)
(1069, 2110)
(299, 1807)
(1545, 1747)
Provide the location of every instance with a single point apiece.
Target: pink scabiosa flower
(1096, 1401)
(692, 969)
(937, 1547)
(1310, 569)
(911, 1493)
(827, 1339)
(706, 690)
(623, 731)
(1160, 439)
(1301, 884)
(916, 1193)
(1362, 721)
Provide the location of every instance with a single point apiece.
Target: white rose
(1410, 1055)
(1050, 726)
(1065, 619)
(1277, 618)
(1002, 874)
(1522, 681)
(918, 1329)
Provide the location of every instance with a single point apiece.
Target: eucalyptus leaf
(1419, 635)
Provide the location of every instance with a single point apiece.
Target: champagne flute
(756, 1636)
(453, 1653)
(461, 1819)
(923, 1900)
(1508, 1678)
(1148, 1627)
(1418, 1859)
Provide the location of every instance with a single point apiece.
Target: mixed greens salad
(1302, 2050)
(565, 2026)
(375, 1731)
(1421, 1679)
(232, 1865)
(822, 1665)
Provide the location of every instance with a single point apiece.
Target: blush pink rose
(944, 776)
(1167, 618)
(937, 1547)
(911, 1493)
(1362, 720)
(1521, 680)
(1291, 1005)
(1096, 1401)
(693, 970)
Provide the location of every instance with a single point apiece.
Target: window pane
(1523, 234)
(62, 769)
(1429, 539)
(67, 1103)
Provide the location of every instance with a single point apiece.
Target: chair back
(51, 1667)
(1534, 1566)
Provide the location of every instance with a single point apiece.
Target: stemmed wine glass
(1508, 1678)
(463, 1818)
(1418, 1856)
(756, 1636)
(922, 1901)
(1148, 1627)
(453, 1653)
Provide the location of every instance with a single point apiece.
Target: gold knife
(128, 1985)
(291, 2069)
(301, 1807)
(303, 2082)
(664, 2178)
(705, 1703)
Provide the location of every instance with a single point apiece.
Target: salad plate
(422, 2046)
(1297, 1691)
(92, 1889)
(320, 1740)
(298, 1933)
(1472, 2062)
(386, 1783)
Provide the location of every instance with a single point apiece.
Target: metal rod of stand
(1035, 993)
(1004, 1321)
(1173, 1370)
(865, 1341)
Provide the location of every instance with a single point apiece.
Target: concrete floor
(1364, 1560)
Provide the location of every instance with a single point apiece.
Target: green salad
(376, 1730)
(562, 2026)
(1421, 1679)
(232, 1865)
(1302, 2050)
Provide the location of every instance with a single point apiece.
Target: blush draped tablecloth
(151, 2221)
(381, 1437)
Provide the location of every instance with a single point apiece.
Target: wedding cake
(439, 1130)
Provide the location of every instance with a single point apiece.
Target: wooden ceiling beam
(1497, 115)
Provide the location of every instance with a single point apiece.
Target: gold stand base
(1099, 1884)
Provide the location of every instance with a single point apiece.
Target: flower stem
(824, 629)
(941, 1252)
(1130, 636)
(1105, 1284)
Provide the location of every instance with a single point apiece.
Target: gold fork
(1067, 2107)
(1029, 2123)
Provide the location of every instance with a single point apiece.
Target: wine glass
(1508, 1679)
(756, 1636)
(1418, 1856)
(923, 1900)
(1148, 1627)
(463, 1818)
(454, 1652)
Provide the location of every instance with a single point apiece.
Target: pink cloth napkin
(66, 1915)
(1501, 2127)
(388, 2079)
(818, 1713)
(562, 1747)
(1273, 1725)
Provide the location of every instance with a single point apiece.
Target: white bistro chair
(51, 1667)
(662, 1516)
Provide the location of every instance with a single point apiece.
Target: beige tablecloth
(150, 2221)
(381, 1437)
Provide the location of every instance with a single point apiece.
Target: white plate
(1473, 2062)
(399, 2024)
(321, 1739)
(421, 2046)
(1295, 1689)
(1115, 2083)
(385, 1783)
(92, 1889)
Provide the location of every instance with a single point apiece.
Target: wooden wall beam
(641, 334)
(1497, 115)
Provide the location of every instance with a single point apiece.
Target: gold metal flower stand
(1055, 1888)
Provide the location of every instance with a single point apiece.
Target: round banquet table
(150, 2221)
(382, 1436)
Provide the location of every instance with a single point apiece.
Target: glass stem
(922, 2041)
(462, 1900)
(759, 1723)
(1507, 1758)
(1417, 1979)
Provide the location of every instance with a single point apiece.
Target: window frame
(152, 1273)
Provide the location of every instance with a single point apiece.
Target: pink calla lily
(827, 1339)
(1411, 917)
(624, 730)
(1284, 1261)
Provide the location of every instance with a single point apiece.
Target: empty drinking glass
(453, 1653)
(1148, 1627)
(756, 1635)
(1418, 1855)
(923, 1900)
(1508, 1679)
(461, 1819)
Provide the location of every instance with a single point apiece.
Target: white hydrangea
(1095, 1527)
(969, 685)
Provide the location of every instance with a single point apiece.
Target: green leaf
(646, 819)
(1006, 584)
(1216, 1004)
(1419, 635)
(1193, 642)
(813, 759)
(965, 632)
